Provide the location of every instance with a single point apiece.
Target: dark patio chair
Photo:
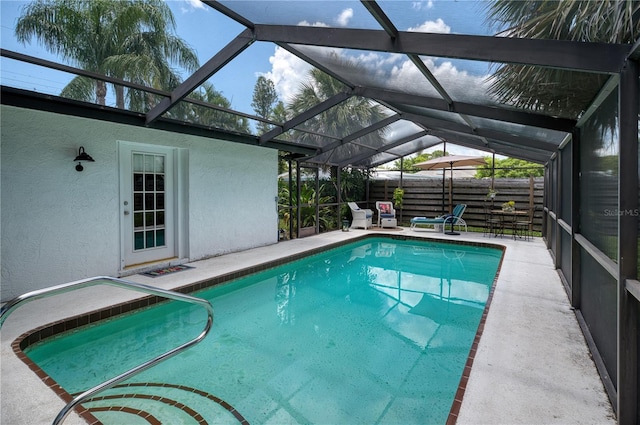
(493, 224)
(523, 226)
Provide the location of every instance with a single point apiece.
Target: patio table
(509, 218)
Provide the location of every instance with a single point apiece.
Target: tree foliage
(408, 164)
(509, 168)
(554, 91)
(127, 39)
(345, 118)
(264, 102)
(207, 116)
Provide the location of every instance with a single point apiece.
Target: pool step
(159, 403)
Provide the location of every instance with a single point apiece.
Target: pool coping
(84, 319)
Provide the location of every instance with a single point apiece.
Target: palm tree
(126, 39)
(207, 116)
(552, 91)
(343, 119)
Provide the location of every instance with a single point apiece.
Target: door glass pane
(160, 201)
(159, 164)
(138, 162)
(138, 220)
(137, 181)
(150, 240)
(149, 200)
(138, 240)
(138, 205)
(149, 219)
(148, 163)
(148, 182)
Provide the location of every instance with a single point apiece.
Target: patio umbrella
(448, 162)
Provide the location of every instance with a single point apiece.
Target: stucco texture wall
(59, 225)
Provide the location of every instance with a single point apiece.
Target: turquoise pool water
(372, 332)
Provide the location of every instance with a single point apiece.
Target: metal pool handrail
(9, 307)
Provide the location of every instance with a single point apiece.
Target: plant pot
(307, 231)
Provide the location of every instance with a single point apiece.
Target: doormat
(165, 271)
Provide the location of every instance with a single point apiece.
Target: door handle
(126, 212)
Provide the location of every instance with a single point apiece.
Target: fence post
(531, 202)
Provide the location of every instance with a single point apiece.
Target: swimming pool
(378, 331)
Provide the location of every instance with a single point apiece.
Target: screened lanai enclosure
(377, 81)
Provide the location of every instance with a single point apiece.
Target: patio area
(532, 364)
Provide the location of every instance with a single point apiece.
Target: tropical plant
(353, 184)
(398, 197)
(308, 199)
(126, 39)
(554, 91)
(347, 117)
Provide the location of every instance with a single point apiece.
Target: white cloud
(315, 24)
(422, 5)
(432, 26)
(287, 73)
(459, 84)
(392, 71)
(344, 17)
(191, 5)
(342, 20)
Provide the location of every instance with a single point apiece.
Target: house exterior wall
(59, 225)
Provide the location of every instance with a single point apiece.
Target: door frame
(179, 205)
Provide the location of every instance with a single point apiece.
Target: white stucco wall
(60, 225)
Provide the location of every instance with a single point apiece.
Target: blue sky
(207, 32)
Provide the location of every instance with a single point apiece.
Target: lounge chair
(453, 219)
(386, 214)
(361, 217)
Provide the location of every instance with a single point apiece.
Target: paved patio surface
(532, 365)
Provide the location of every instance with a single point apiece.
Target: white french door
(147, 203)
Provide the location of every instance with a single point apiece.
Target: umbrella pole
(451, 191)
(452, 231)
(444, 184)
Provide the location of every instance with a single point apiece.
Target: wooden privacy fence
(424, 198)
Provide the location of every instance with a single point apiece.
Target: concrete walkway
(532, 365)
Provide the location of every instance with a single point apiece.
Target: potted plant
(492, 193)
(509, 206)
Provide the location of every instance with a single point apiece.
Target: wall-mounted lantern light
(82, 156)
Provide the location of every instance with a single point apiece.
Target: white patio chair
(386, 214)
(361, 217)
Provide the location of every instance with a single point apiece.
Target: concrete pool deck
(532, 364)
